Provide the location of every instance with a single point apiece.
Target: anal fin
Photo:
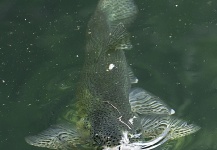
(133, 78)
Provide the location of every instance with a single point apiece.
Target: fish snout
(106, 135)
(107, 139)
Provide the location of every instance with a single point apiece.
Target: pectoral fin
(143, 102)
(153, 125)
(180, 128)
(56, 137)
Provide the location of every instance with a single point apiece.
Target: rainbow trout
(108, 113)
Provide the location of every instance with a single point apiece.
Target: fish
(109, 113)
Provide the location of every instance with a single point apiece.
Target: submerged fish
(108, 113)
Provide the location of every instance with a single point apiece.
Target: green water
(42, 46)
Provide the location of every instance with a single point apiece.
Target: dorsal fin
(113, 40)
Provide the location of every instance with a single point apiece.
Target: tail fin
(56, 137)
(107, 27)
(118, 11)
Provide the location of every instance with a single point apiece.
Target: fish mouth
(106, 134)
(107, 140)
(147, 145)
(107, 126)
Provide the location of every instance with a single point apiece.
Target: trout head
(106, 129)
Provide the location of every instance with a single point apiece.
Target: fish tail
(107, 28)
(118, 11)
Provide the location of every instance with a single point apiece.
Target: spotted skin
(106, 115)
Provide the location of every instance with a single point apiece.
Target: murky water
(41, 54)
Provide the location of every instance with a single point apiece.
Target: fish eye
(97, 139)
